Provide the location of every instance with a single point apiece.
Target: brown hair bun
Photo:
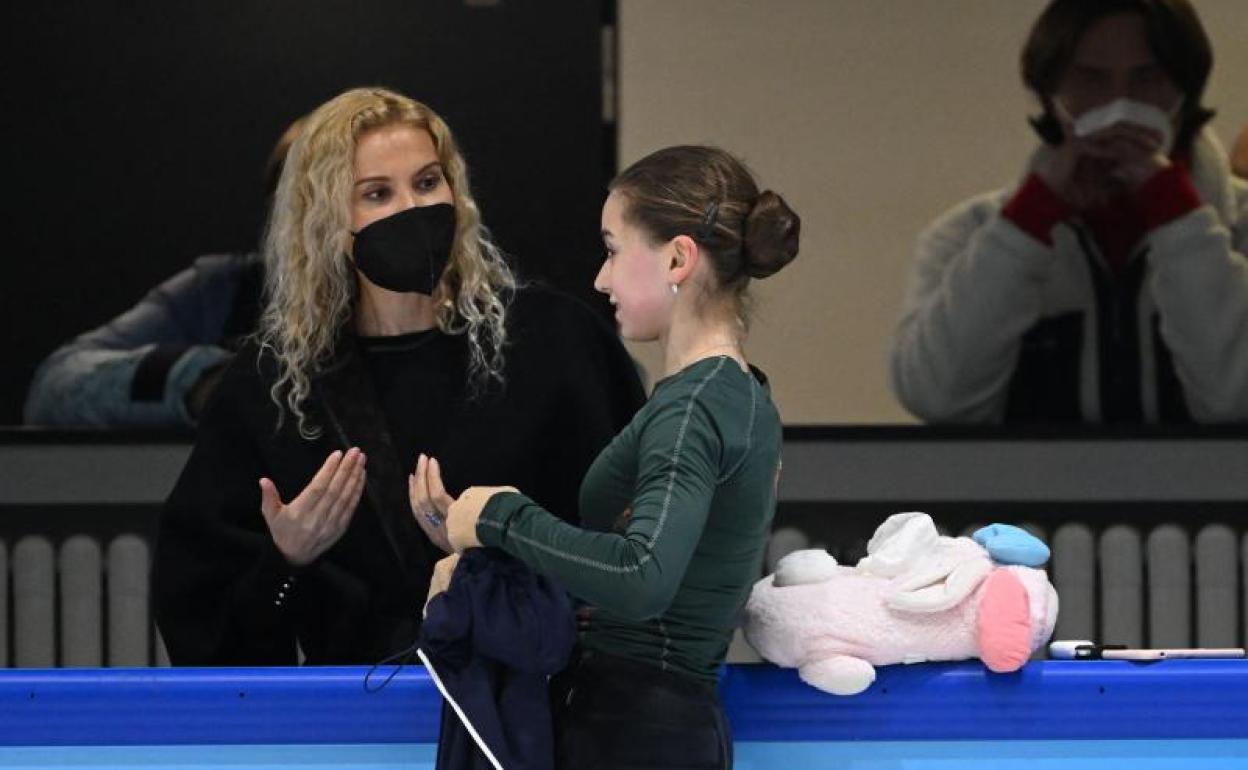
(772, 230)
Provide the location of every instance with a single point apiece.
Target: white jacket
(999, 326)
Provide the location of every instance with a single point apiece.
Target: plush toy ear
(898, 543)
(1003, 624)
(1007, 544)
(941, 585)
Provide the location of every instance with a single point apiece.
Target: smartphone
(1082, 649)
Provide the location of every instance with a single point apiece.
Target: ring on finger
(432, 516)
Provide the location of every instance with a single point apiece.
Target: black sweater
(569, 387)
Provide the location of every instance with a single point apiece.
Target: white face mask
(1125, 110)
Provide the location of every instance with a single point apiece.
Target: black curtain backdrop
(137, 132)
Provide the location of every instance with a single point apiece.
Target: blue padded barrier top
(960, 701)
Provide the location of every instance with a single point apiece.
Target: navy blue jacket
(490, 642)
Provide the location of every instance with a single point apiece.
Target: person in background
(155, 365)
(676, 510)
(1110, 285)
(393, 327)
(1239, 155)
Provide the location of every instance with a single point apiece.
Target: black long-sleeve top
(224, 593)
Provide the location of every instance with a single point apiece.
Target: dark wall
(137, 131)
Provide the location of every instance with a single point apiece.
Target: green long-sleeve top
(675, 511)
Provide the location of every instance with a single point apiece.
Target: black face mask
(409, 250)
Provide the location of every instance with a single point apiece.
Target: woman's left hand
(429, 500)
(459, 516)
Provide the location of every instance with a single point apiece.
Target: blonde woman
(393, 328)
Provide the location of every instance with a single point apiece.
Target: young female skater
(676, 510)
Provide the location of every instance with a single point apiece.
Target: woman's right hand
(307, 526)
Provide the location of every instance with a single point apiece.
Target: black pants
(616, 714)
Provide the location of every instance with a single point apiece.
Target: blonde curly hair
(311, 283)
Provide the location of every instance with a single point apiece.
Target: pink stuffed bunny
(916, 596)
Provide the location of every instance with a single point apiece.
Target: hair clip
(708, 221)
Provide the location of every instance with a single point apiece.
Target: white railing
(1164, 587)
(76, 602)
